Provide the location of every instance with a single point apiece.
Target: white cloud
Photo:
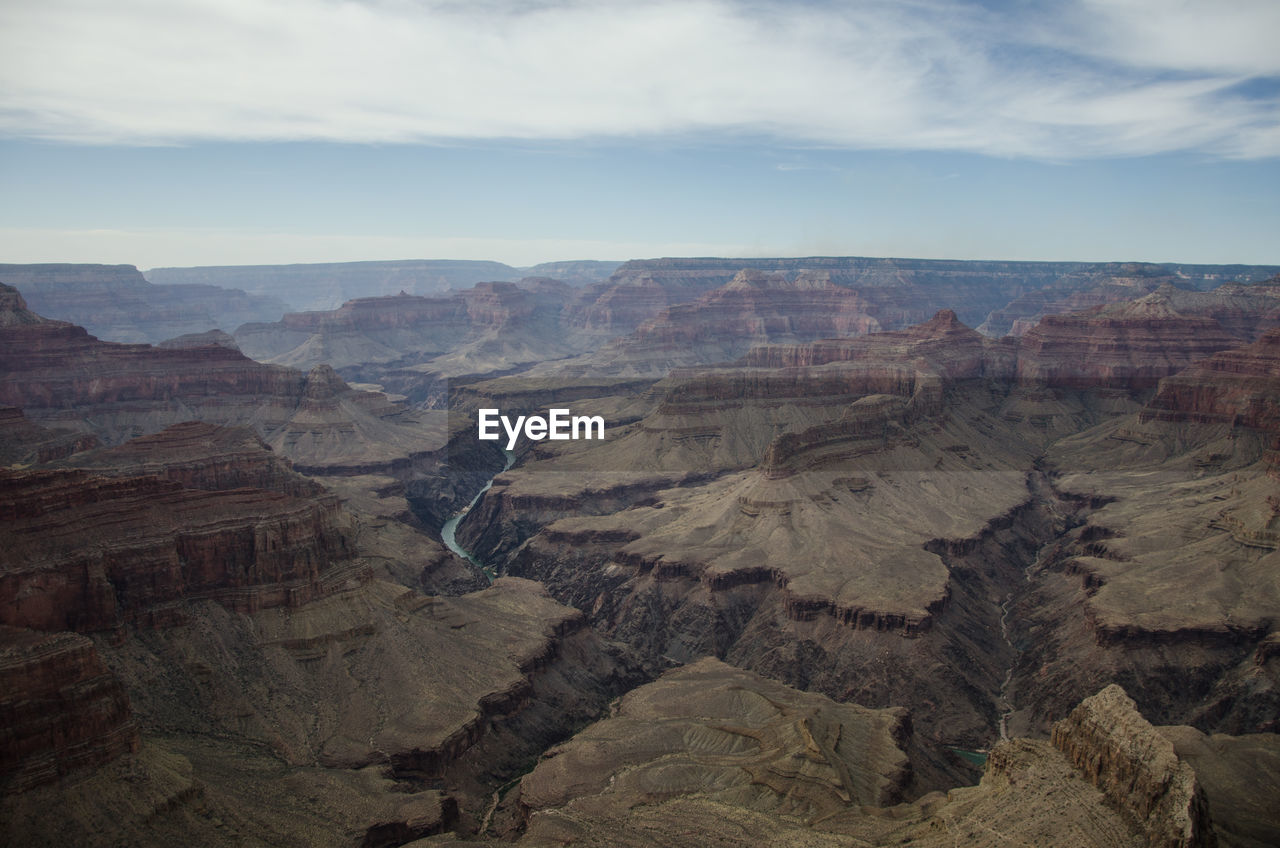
(1124, 77)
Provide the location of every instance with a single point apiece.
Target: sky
(211, 132)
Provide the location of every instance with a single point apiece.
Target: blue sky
(226, 131)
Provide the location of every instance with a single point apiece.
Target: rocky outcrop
(58, 374)
(376, 680)
(1137, 768)
(202, 456)
(1208, 290)
(24, 442)
(407, 343)
(327, 285)
(731, 736)
(899, 292)
(1237, 774)
(91, 553)
(672, 791)
(216, 338)
(1129, 346)
(61, 710)
(1079, 291)
(753, 308)
(1239, 387)
(115, 302)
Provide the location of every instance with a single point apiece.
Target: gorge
(853, 521)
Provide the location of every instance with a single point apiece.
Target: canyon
(874, 552)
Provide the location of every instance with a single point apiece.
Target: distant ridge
(307, 287)
(327, 285)
(115, 303)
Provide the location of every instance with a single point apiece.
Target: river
(449, 532)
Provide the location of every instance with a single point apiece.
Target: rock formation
(414, 345)
(1136, 768)
(210, 338)
(687, 773)
(825, 488)
(60, 375)
(23, 442)
(116, 303)
(1128, 345)
(710, 730)
(751, 309)
(1239, 387)
(201, 456)
(61, 710)
(327, 285)
(91, 554)
(856, 564)
(339, 721)
(900, 292)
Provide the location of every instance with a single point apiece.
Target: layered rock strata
(199, 455)
(728, 736)
(60, 375)
(807, 554)
(753, 308)
(327, 285)
(214, 338)
(1239, 387)
(1109, 779)
(1130, 345)
(902, 291)
(91, 553)
(1169, 585)
(61, 710)
(410, 343)
(1137, 768)
(375, 716)
(24, 442)
(455, 694)
(115, 302)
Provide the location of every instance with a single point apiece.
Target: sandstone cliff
(1239, 387)
(89, 553)
(687, 776)
(408, 343)
(60, 375)
(753, 308)
(61, 710)
(1137, 768)
(727, 736)
(1130, 345)
(24, 442)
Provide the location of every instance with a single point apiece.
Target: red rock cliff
(1129, 346)
(61, 710)
(1240, 386)
(88, 553)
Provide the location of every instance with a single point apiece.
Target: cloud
(1128, 77)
